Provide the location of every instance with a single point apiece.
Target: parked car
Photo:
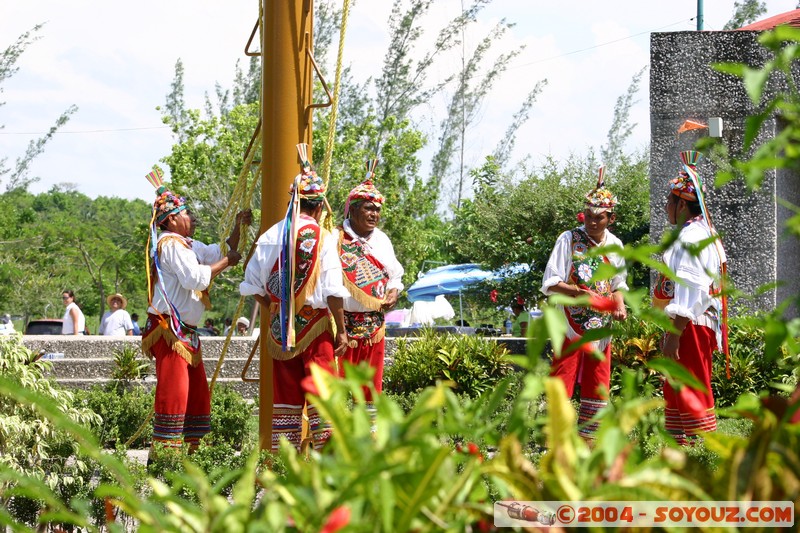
(44, 326)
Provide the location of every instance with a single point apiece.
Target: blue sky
(116, 60)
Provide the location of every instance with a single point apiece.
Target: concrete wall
(684, 86)
(82, 362)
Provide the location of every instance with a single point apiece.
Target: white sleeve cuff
(247, 289)
(550, 282)
(673, 310)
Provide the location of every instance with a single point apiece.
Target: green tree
(621, 127)
(33, 445)
(62, 240)
(534, 211)
(471, 87)
(744, 13)
(19, 177)
(505, 146)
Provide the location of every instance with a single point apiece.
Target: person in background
(74, 321)
(242, 325)
(373, 277)
(184, 269)
(6, 325)
(519, 327)
(228, 323)
(569, 271)
(209, 325)
(135, 321)
(692, 304)
(116, 321)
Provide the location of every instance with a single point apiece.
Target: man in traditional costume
(569, 271)
(691, 302)
(298, 254)
(373, 277)
(183, 270)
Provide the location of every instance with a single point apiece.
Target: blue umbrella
(448, 279)
(453, 279)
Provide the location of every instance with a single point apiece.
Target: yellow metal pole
(286, 121)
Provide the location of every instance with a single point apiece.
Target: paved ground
(138, 455)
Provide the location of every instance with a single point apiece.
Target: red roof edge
(792, 18)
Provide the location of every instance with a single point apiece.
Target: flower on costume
(594, 323)
(307, 245)
(585, 272)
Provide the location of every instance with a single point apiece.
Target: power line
(82, 131)
(509, 68)
(599, 45)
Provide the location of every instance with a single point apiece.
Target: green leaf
(775, 332)
(388, 501)
(604, 271)
(736, 69)
(555, 324)
(677, 374)
(754, 81)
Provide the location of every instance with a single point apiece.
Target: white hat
(243, 320)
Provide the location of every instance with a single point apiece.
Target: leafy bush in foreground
(30, 445)
(473, 364)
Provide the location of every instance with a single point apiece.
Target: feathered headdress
(167, 203)
(307, 183)
(601, 199)
(366, 190)
(687, 184)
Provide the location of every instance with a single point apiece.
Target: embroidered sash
(364, 276)
(367, 326)
(581, 272)
(309, 242)
(157, 328)
(309, 322)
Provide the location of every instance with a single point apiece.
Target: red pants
(373, 355)
(593, 374)
(795, 400)
(689, 412)
(183, 402)
(289, 399)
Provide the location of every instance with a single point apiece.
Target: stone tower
(684, 86)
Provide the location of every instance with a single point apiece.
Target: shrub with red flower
(338, 518)
(471, 449)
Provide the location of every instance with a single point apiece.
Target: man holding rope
(182, 272)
